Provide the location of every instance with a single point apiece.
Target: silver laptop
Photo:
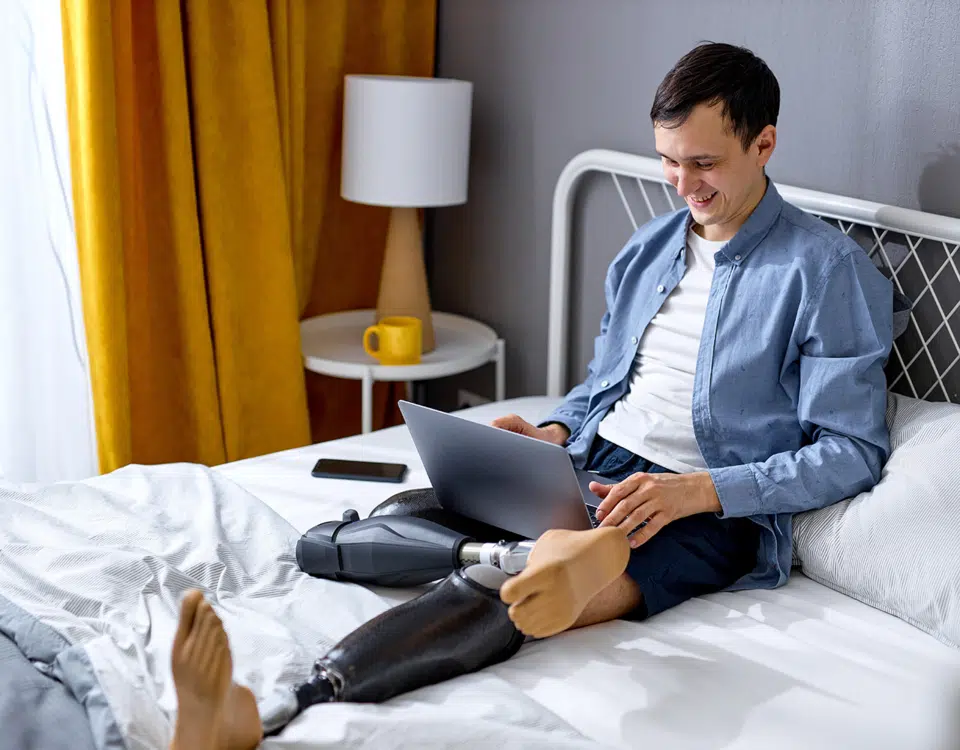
(518, 483)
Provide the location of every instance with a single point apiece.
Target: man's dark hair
(713, 73)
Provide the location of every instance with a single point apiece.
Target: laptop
(518, 483)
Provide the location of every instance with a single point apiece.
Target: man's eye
(704, 165)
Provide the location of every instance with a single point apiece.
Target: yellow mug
(399, 340)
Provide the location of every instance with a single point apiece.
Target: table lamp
(406, 145)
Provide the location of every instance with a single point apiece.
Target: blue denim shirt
(789, 394)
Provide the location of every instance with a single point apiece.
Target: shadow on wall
(937, 191)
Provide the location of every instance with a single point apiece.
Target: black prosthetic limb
(400, 549)
(457, 627)
(390, 551)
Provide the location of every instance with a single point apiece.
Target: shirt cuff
(737, 490)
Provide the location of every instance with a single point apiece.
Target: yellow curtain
(205, 159)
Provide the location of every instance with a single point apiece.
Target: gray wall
(870, 108)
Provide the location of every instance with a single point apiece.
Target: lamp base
(403, 276)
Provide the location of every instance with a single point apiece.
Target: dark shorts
(690, 557)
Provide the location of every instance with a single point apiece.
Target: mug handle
(366, 341)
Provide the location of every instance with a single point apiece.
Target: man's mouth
(701, 201)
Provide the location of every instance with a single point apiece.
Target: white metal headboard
(917, 250)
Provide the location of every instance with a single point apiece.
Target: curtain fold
(205, 143)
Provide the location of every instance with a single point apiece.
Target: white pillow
(897, 546)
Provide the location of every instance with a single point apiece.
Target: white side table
(333, 345)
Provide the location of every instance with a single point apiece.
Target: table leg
(367, 403)
(410, 391)
(501, 384)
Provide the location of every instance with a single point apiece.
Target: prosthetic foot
(457, 627)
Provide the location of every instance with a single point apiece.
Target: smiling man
(737, 378)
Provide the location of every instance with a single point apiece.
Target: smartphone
(368, 471)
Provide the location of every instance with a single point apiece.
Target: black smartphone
(369, 471)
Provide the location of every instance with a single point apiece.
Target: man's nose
(686, 183)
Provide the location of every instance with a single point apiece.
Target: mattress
(798, 667)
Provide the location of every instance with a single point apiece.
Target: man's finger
(634, 513)
(610, 503)
(624, 508)
(614, 497)
(649, 506)
(656, 522)
(600, 490)
(617, 492)
(513, 423)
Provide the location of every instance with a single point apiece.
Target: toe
(188, 613)
(207, 632)
(524, 585)
(207, 623)
(532, 625)
(526, 612)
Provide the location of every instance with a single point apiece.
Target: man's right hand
(552, 433)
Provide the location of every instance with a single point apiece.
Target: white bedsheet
(799, 667)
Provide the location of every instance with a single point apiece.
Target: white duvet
(92, 574)
(104, 564)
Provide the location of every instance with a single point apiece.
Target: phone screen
(338, 468)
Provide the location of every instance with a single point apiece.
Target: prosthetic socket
(398, 551)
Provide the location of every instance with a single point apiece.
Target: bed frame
(917, 250)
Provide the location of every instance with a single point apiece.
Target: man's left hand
(657, 499)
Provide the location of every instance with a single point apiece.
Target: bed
(798, 667)
(803, 666)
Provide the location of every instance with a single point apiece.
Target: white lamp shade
(406, 140)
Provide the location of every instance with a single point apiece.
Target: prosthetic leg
(458, 626)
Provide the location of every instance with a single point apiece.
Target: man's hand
(552, 433)
(657, 499)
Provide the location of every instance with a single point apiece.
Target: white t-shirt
(654, 419)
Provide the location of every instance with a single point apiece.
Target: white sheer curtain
(46, 431)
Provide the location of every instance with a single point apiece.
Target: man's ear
(764, 145)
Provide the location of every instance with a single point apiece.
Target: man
(737, 379)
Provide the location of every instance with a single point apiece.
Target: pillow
(897, 546)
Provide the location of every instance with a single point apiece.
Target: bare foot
(565, 570)
(213, 713)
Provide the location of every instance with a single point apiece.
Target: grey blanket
(36, 711)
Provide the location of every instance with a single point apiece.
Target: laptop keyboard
(592, 514)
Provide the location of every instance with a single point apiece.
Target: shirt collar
(754, 229)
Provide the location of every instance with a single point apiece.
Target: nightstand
(333, 345)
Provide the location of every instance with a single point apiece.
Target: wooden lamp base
(403, 276)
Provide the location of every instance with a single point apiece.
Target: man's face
(707, 164)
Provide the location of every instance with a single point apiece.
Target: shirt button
(633, 339)
(604, 383)
(736, 257)
(661, 288)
